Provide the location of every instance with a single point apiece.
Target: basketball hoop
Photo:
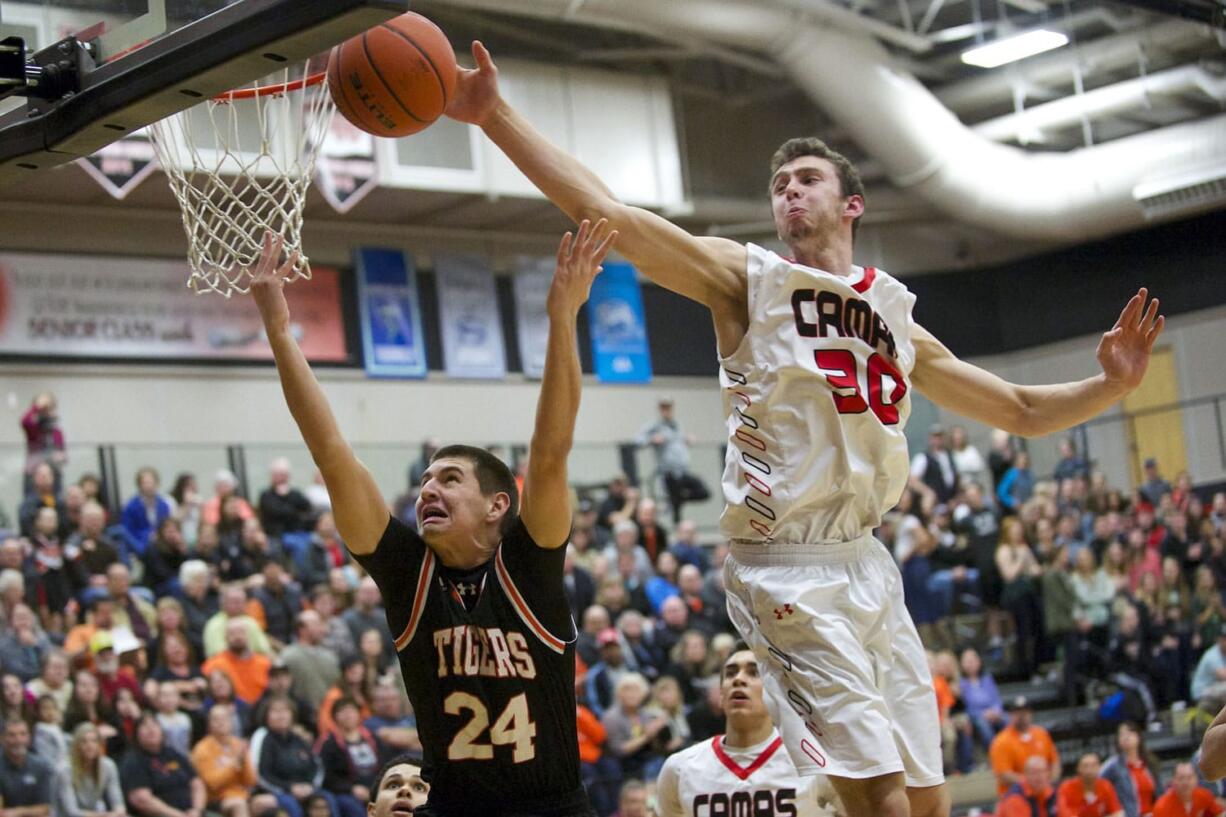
(253, 177)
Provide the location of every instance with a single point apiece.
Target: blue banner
(468, 312)
(391, 313)
(619, 330)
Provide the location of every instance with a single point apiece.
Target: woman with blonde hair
(692, 663)
(666, 697)
(1207, 613)
(632, 727)
(1019, 573)
(88, 784)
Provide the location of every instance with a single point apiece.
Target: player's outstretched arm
(358, 506)
(708, 270)
(1032, 411)
(545, 504)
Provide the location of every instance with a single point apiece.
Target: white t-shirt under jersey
(816, 397)
(710, 779)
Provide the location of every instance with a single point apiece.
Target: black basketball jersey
(488, 657)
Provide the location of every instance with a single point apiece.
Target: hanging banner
(345, 170)
(390, 308)
(122, 165)
(619, 329)
(532, 277)
(125, 308)
(468, 312)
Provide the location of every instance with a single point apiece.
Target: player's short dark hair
(849, 177)
(493, 476)
(412, 758)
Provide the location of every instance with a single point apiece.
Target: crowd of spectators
(185, 651)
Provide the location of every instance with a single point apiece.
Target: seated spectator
(1209, 680)
(246, 668)
(159, 781)
(1207, 614)
(176, 724)
(370, 650)
(235, 607)
(25, 778)
(106, 647)
(981, 697)
(224, 486)
(55, 587)
(604, 675)
(337, 638)
(625, 542)
(666, 697)
(706, 718)
(200, 602)
(325, 553)
(394, 728)
(652, 537)
(1020, 573)
(312, 666)
(578, 584)
(23, 646)
(600, 773)
(1016, 486)
(88, 784)
(222, 762)
(663, 583)
(596, 620)
(1020, 740)
(1031, 794)
(50, 741)
(1087, 794)
(145, 512)
(283, 508)
(166, 553)
(280, 685)
(1132, 771)
(1185, 798)
(90, 550)
(367, 614)
(280, 603)
(285, 765)
(956, 743)
(221, 692)
(691, 662)
(686, 548)
(632, 800)
(632, 729)
(87, 706)
(175, 665)
(187, 504)
(673, 624)
(637, 645)
(53, 679)
(242, 546)
(132, 611)
(351, 684)
(706, 615)
(350, 758)
(41, 494)
(14, 705)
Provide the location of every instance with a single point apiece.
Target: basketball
(395, 79)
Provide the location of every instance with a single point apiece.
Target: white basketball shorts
(844, 669)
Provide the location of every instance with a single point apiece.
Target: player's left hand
(268, 280)
(579, 259)
(1124, 351)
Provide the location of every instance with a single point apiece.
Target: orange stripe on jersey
(419, 601)
(521, 607)
(743, 773)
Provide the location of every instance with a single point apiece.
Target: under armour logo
(785, 610)
(466, 588)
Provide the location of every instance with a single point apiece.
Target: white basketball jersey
(710, 779)
(816, 397)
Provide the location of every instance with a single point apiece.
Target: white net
(241, 164)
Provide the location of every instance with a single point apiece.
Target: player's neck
(744, 735)
(830, 256)
(464, 555)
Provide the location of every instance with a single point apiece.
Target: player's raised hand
(1124, 351)
(268, 281)
(476, 89)
(579, 259)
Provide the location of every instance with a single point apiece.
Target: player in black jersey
(474, 596)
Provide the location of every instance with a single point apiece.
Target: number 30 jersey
(488, 658)
(816, 397)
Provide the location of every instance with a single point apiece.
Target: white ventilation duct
(1074, 196)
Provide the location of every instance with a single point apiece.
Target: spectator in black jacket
(283, 508)
(350, 758)
(285, 765)
(281, 603)
(158, 780)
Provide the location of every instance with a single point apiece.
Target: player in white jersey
(744, 771)
(818, 360)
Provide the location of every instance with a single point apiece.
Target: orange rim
(273, 90)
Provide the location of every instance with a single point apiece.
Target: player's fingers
(603, 249)
(1128, 315)
(287, 269)
(1155, 331)
(1147, 320)
(599, 229)
(564, 248)
(581, 238)
(482, 57)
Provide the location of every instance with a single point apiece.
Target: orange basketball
(394, 79)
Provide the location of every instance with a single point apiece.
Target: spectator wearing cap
(25, 779)
(1087, 794)
(145, 511)
(247, 669)
(1185, 798)
(225, 484)
(107, 646)
(313, 668)
(1154, 487)
(933, 473)
(1020, 740)
(603, 676)
(672, 449)
(99, 618)
(1032, 794)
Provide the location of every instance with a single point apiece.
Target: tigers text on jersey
(816, 397)
(710, 779)
(488, 658)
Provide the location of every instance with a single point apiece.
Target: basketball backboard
(141, 60)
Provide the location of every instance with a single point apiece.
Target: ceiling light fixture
(1011, 49)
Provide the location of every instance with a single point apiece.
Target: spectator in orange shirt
(224, 484)
(248, 670)
(223, 764)
(1020, 740)
(1186, 799)
(1087, 794)
(601, 773)
(1032, 794)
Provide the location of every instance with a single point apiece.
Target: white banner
(532, 277)
(345, 170)
(468, 314)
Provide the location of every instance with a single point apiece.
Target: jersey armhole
(524, 610)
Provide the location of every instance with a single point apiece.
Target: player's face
(451, 505)
(400, 792)
(807, 200)
(741, 687)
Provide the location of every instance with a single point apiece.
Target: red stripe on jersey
(864, 283)
(419, 601)
(504, 578)
(743, 773)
